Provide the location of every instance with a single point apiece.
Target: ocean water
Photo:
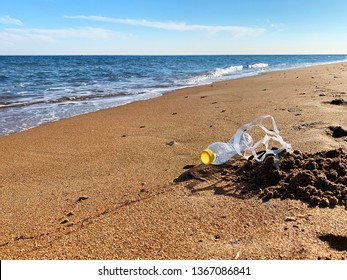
(40, 89)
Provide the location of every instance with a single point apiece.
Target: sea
(40, 89)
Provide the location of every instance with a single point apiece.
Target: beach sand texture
(119, 183)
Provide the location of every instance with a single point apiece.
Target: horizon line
(291, 54)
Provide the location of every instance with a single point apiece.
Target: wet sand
(110, 184)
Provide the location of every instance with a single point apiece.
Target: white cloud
(84, 40)
(9, 20)
(52, 35)
(235, 30)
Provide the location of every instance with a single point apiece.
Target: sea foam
(214, 74)
(258, 65)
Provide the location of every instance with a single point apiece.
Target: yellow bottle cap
(207, 156)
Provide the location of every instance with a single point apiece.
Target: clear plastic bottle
(246, 140)
(220, 152)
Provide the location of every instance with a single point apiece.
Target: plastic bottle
(220, 152)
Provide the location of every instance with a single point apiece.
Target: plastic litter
(219, 152)
(242, 143)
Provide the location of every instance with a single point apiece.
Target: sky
(172, 27)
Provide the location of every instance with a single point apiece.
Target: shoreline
(100, 185)
(146, 95)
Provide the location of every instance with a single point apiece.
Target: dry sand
(101, 185)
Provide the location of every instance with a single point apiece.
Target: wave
(214, 74)
(68, 99)
(258, 65)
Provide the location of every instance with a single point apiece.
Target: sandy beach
(120, 184)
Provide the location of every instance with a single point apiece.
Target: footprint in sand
(338, 101)
(337, 131)
(294, 110)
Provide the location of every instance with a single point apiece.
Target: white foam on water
(27, 117)
(258, 65)
(214, 74)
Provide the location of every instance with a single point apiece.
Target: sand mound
(318, 179)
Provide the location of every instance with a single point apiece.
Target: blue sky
(173, 27)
